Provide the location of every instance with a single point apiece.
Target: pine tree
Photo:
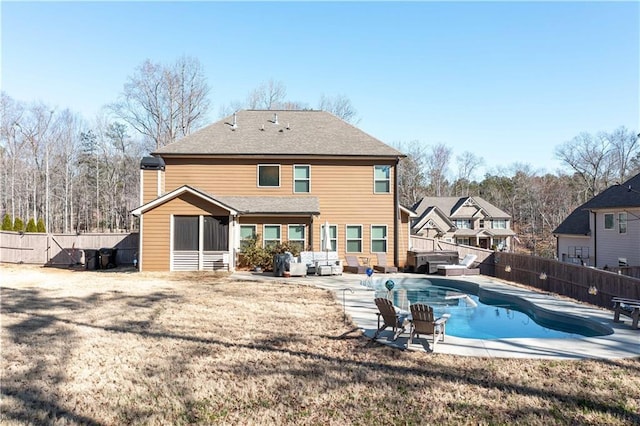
(31, 225)
(18, 225)
(40, 227)
(7, 223)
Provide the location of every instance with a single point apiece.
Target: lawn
(117, 347)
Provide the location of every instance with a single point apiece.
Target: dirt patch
(121, 347)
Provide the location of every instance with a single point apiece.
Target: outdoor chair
(390, 318)
(354, 266)
(423, 322)
(382, 265)
(462, 268)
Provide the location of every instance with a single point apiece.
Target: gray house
(604, 231)
(470, 221)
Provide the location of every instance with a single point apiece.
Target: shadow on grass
(346, 370)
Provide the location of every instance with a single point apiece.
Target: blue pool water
(481, 314)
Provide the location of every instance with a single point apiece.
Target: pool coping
(357, 302)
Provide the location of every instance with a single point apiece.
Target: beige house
(279, 175)
(605, 231)
(463, 220)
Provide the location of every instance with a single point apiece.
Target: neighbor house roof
(622, 195)
(269, 132)
(242, 205)
(449, 205)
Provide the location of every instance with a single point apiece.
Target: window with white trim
(499, 224)
(463, 241)
(608, 221)
(301, 179)
(333, 233)
(382, 179)
(247, 233)
(268, 175)
(354, 238)
(622, 223)
(297, 236)
(378, 238)
(463, 223)
(271, 236)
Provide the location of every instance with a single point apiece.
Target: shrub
(254, 255)
(18, 225)
(7, 223)
(41, 227)
(31, 226)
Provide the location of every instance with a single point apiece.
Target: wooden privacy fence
(64, 249)
(582, 283)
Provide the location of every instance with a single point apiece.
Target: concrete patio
(357, 301)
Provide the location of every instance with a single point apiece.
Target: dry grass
(133, 348)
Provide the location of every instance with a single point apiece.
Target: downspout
(595, 240)
(396, 213)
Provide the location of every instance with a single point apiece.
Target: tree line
(64, 173)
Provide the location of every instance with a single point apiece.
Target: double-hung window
(622, 223)
(271, 236)
(378, 238)
(247, 233)
(301, 179)
(463, 223)
(297, 236)
(268, 175)
(354, 238)
(382, 179)
(608, 221)
(333, 233)
(499, 224)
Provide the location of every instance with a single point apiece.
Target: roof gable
(176, 193)
(268, 132)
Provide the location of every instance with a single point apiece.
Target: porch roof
(242, 205)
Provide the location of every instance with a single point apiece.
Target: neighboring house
(604, 231)
(463, 220)
(279, 175)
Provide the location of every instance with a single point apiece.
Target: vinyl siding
(611, 244)
(156, 237)
(150, 185)
(345, 189)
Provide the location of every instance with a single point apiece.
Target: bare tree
(340, 106)
(268, 95)
(602, 159)
(467, 163)
(164, 103)
(412, 179)
(438, 164)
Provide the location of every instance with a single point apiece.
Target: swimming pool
(479, 313)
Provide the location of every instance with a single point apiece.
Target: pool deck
(357, 301)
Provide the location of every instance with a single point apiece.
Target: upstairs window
(463, 223)
(268, 175)
(622, 223)
(499, 224)
(608, 221)
(301, 179)
(382, 179)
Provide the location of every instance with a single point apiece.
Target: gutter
(396, 214)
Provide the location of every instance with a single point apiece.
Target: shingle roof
(616, 196)
(256, 132)
(243, 205)
(450, 204)
(273, 205)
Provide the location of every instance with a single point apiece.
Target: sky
(506, 81)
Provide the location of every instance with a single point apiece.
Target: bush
(254, 255)
(41, 227)
(7, 223)
(18, 225)
(31, 226)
